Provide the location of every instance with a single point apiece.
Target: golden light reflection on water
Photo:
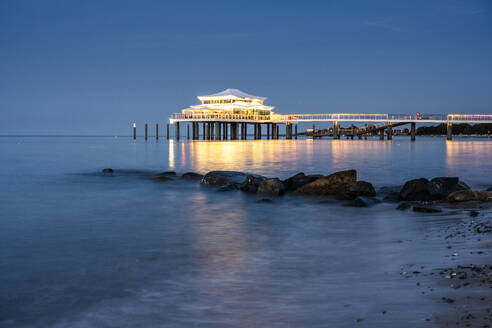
(376, 160)
(281, 155)
(468, 153)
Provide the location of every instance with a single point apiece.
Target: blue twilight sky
(93, 67)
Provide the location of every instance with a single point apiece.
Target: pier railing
(341, 117)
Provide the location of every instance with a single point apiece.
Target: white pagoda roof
(227, 93)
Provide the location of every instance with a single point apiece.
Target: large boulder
(352, 190)
(192, 176)
(435, 189)
(271, 187)
(222, 178)
(440, 188)
(415, 190)
(469, 195)
(251, 183)
(328, 185)
(299, 180)
(168, 173)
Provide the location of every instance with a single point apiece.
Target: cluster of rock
(341, 185)
(171, 175)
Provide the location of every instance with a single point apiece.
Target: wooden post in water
(146, 131)
(134, 131)
(449, 130)
(167, 131)
(188, 131)
(176, 131)
(412, 131)
(156, 131)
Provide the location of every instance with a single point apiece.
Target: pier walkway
(218, 126)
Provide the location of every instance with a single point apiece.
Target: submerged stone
(168, 173)
(222, 178)
(160, 178)
(192, 176)
(299, 180)
(271, 187)
(251, 183)
(469, 195)
(363, 202)
(352, 190)
(108, 171)
(403, 206)
(328, 185)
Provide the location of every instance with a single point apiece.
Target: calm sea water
(79, 249)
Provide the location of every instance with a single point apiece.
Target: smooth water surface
(80, 249)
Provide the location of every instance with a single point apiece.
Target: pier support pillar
(449, 130)
(296, 132)
(219, 130)
(167, 131)
(146, 131)
(381, 134)
(259, 131)
(278, 131)
(389, 131)
(176, 131)
(135, 131)
(204, 131)
(225, 131)
(255, 131)
(268, 131)
(336, 134)
(274, 130)
(314, 130)
(288, 131)
(412, 131)
(245, 131)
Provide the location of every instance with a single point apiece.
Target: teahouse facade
(230, 101)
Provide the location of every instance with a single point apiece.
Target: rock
(299, 180)
(251, 183)
(469, 195)
(440, 188)
(426, 209)
(168, 173)
(159, 178)
(328, 185)
(230, 187)
(415, 190)
(403, 206)
(473, 214)
(489, 189)
(352, 190)
(264, 200)
(390, 194)
(192, 176)
(222, 178)
(363, 202)
(271, 187)
(108, 170)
